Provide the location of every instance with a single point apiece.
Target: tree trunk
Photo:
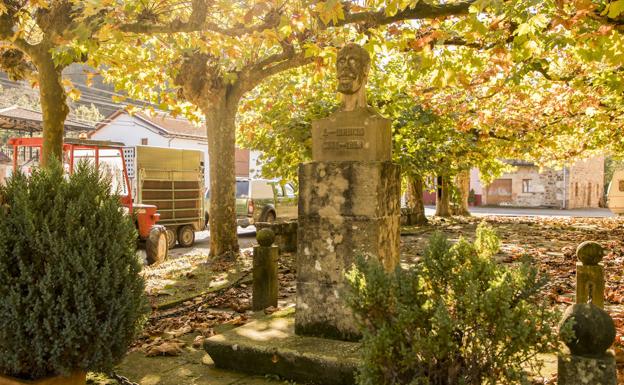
(53, 107)
(415, 203)
(221, 131)
(443, 197)
(462, 181)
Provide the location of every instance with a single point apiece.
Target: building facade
(580, 185)
(163, 131)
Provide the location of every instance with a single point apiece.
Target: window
(242, 189)
(621, 185)
(526, 185)
(290, 191)
(111, 164)
(143, 141)
(576, 189)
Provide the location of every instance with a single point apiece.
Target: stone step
(270, 346)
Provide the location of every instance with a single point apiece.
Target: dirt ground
(197, 298)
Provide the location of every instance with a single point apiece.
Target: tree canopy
(541, 79)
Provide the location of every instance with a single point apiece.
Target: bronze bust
(352, 67)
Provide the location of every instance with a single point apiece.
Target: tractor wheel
(156, 245)
(172, 237)
(186, 236)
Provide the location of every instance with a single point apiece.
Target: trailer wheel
(156, 245)
(186, 236)
(172, 237)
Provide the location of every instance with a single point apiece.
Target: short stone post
(590, 363)
(265, 283)
(590, 283)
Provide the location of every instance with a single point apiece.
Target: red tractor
(109, 158)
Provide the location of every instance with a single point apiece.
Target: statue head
(352, 66)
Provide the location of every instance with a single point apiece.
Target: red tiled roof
(175, 126)
(167, 124)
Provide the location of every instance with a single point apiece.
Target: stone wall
(580, 186)
(586, 183)
(530, 188)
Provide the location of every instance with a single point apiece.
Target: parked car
(261, 200)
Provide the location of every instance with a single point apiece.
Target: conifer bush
(71, 297)
(456, 318)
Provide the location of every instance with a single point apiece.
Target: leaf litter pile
(200, 315)
(550, 242)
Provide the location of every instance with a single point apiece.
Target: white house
(162, 131)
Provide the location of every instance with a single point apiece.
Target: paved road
(246, 238)
(537, 212)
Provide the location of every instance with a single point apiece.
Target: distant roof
(167, 125)
(518, 162)
(175, 126)
(20, 118)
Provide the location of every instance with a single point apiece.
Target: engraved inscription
(342, 138)
(343, 145)
(344, 131)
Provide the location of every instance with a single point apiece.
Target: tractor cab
(107, 157)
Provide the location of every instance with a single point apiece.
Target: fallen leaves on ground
(200, 315)
(550, 242)
(161, 347)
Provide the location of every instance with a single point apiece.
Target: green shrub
(456, 318)
(71, 297)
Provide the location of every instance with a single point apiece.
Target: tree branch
(421, 10)
(288, 51)
(538, 66)
(255, 75)
(198, 21)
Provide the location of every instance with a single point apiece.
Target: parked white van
(615, 193)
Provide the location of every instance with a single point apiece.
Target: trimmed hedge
(71, 297)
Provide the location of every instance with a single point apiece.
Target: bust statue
(356, 132)
(352, 66)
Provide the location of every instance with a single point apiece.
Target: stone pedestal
(579, 370)
(590, 284)
(346, 209)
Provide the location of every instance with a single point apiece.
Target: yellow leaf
(89, 80)
(74, 94)
(39, 3)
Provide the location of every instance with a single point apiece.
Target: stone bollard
(590, 283)
(265, 283)
(590, 363)
(285, 234)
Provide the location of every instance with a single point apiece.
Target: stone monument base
(346, 209)
(578, 370)
(270, 346)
